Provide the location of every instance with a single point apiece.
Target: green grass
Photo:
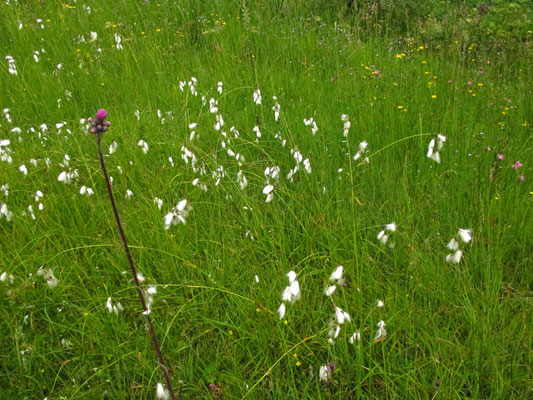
(466, 325)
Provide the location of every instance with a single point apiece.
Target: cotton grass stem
(133, 269)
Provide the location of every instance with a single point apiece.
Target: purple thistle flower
(101, 114)
(100, 125)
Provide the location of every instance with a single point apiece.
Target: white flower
(347, 124)
(465, 235)
(113, 147)
(391, 227)
(256, 279)
(453, 245)
(129, 194)
(48, 276)
(434, 153)
(4, 212)
(67, 176)
(113, 308)
(11, 66)
(341, 316)
(324, 373)
(94, 35)
(311, 121)
(281, 311)
(330, 290)
(117, 41)
(219, 87)
(143, 145)
(292, 276)
(361, 151)
(241, 179)
(161, 392)
(268, 191)
(381, 333)
(23, 169)
(257, 97)
(356, 337)
(84, 190)
(337, 275)
(454, 258)
(294, 288)
(158, 202)
(382, 237)
(276, 108)
(380, 304)
(307, 166)
(6, 277)
(257, 131)
(177, 214)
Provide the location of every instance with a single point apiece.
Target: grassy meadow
(456, 327)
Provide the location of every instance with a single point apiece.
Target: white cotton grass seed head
(454, 258)
(113, 308)
(5, 212)
(281, 311)
(465, 235)
(453, 244)
(161, 392)
(381, 333)
(178, 214)
(341, 316)
(86, 191)
(330, 290)
(158, 202)
(337, 275)
(143, 145)
(48, 276)
(356, 337)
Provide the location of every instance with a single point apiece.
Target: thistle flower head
(101, 114)
(100, 124)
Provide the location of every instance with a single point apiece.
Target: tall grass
(465, 326)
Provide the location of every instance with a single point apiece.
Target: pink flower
(516, 165)
(100, 125)
(500, 156)
(469, 82)
(522, 178)
(101, 114)
(489, 148)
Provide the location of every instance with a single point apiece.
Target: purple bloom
(101, 114)
(100, 125)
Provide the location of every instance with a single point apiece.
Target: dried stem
(134, 272)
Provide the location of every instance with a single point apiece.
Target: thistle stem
(134, 272)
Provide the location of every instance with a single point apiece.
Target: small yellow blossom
(525, 123)
(424, 62)
(433, 96)
(298, 363)
(400, 107)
